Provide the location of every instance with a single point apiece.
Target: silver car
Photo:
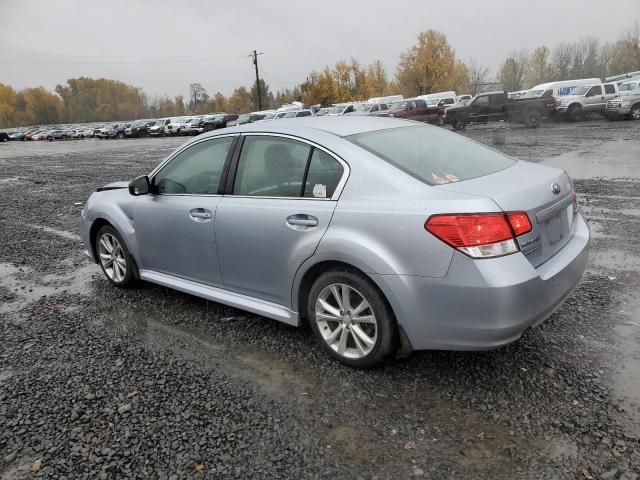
(382, 234)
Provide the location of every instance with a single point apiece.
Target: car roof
(339, 126)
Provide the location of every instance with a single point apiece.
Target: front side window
(196, 170)
(481, 101)
(271, 167)
(597, 90)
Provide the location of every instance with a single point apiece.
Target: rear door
(281, 194)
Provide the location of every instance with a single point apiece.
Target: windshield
(433, 155)
(289, 115)
(432, 101)
(363, 107)
(580, 90)
(627, 87)
(401, 104)
(322, 111)
(269, 116)
(337, 109)
(636, 91)
(532, 94)
(159, 123)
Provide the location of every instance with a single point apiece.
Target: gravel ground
(97, 382)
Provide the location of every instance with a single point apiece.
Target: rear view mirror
(140, 186)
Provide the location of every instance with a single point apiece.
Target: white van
(387, 100)
(558, 89)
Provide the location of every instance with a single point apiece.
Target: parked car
(140, 128)
(173, 126)
(216, 122)
(15, 136)
(414, 109)
(248, 118)
(157, 129)
(4, 137)
(496, 106)
(322, 111)
(298, 113)
(54, 135)
(585, 100)
(627, 106)
(626, 87)
(463, 99)
(559, 89)
(341, 109)
(40, 135)
(369, 109)
(367, 227)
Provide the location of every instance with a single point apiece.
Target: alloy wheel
(635, 113)
(346, 321)
(112, 257)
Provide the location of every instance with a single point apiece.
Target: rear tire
(357, 328)
(533, 119)
(634, 114)
(114, 258)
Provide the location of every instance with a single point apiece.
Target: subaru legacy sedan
(381, 234)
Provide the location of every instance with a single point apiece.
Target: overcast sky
(163, 46)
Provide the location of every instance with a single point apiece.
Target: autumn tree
(512, 72)
(240, 101)
(429, 66)
(7, 106)
(375, 78)
(538, 68)
(198, 96)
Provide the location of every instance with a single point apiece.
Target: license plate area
(559, 225)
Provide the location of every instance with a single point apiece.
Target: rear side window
(433, 155)
(609, 89)
(196, 170)
(323, 176)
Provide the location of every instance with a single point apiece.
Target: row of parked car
(572, 100)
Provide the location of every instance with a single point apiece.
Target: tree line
(431, 65)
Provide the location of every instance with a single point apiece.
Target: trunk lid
(530, 188)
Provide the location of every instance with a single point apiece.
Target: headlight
(627, 104)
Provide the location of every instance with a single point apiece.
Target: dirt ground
(98, 382)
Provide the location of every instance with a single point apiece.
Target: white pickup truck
(586, 99)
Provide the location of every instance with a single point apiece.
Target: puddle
(60, 233)
(20, 283)
(610, 260)
(609, 160)
(626, 373)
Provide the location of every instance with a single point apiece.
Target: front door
(595, 99)
(273, 219)
(175, 224)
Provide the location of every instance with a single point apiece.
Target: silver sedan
(382, 234)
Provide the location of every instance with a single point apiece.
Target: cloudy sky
(163, 46)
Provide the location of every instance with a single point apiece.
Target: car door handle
(200, 214)
(302, 220)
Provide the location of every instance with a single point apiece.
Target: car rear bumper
(485, 304)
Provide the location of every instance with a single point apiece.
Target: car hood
(455, 108)
(114, 186)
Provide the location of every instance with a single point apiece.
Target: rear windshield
(431, 154)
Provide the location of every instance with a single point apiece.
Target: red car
(415, 109)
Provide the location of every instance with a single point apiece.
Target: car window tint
(481, 101)
(431, 154)
(609, 89)
(384, 106)
(271, 167)
(597, 90)
(196, 170)
(323, 176)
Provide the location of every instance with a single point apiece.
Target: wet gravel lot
(98, 382)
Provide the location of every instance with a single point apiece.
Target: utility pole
(254, 56)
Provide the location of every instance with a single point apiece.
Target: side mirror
(140, 186)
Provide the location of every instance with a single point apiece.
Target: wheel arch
(306, 278)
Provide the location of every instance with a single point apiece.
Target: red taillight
(470, 230)
(480, 235)
(519, 222)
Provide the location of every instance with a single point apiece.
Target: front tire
(351, 318)
(114, 258)
(634, 114)
(574, 114)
